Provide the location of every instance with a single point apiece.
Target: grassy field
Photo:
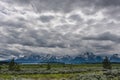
(61, 72)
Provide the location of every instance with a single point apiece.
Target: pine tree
(106, 63)
(48, 66)
(11, 65)
(0, 68)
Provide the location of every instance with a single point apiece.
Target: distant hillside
(87, 57)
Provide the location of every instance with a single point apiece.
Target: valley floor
(61, 72)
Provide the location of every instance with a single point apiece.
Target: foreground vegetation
(58, 71)
(61, 72)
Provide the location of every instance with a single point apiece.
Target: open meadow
(57, 71)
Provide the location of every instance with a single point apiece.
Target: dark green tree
(106, 63)
(13, 66)
(64, 65)
(71, 66)
(0, 68)
(48, 66)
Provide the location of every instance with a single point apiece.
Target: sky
(59, 27)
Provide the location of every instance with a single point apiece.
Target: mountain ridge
(87, 57)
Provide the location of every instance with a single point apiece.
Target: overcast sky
(59, 27)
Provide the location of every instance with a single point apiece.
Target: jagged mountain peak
(88, 57)
(115, 58)
(115, 55)
(88, 53)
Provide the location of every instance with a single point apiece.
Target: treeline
(13, 66)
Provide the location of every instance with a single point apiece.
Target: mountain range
(87, 57)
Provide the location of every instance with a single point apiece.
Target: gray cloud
(76, 18)
(108, 3)
(46, 18)
(107, 36)
(104, 47)
(59, 26)
(58, 5)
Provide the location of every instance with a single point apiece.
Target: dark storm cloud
(58, 5)
(68, 5)
(76, 17)
(32, 38)
(108, 3)
(107, 36)
(15, 24)
(46, 18)
(22, 2)
(103, 46)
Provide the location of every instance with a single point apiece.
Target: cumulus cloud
(107, 36)
(45, 19)
(59, 26)
(109, 3)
